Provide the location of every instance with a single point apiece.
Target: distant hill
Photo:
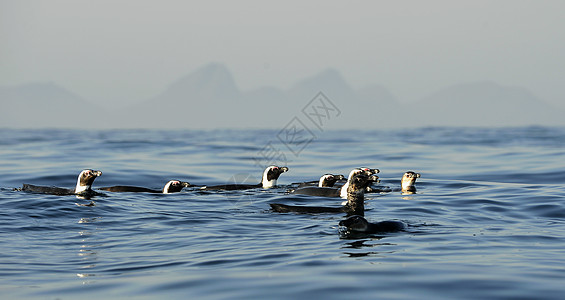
(485, 104)
(210, 98)
(199, 99)
(46, 105)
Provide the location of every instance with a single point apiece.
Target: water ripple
(486, 222)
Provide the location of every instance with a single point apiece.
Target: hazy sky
(124, 51)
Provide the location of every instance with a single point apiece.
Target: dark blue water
(488, 220)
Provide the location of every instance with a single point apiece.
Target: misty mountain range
(209, 98)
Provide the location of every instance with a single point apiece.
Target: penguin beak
(283, 169)
(97, 173)
(339, 177)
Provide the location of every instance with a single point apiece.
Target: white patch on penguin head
(324, 180)
(329, 180)
(270, 176)
(85, 180)
(174, 186)
(354, 172)
(408, 179)
(169, 185)
(359, 183)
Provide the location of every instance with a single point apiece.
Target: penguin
(406, 185)
(172, 186)
(268, 180)
(355, 199)
(358, 224)
(83, 186)
(332, 191)
(326, 180)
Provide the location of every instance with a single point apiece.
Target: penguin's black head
(355, 223)
(358, 183)
(174, 186)
(369, 171)
(363, 171)
(85, 180)
(411, 174)
(328, 180)
(409, 178)
(273, 172)
(86, 177)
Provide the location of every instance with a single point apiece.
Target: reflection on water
(87, 250)
(380, 248)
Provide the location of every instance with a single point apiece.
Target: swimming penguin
(367, 171)
(327, 180)
(355, 199)
(173, 186)
(332, 191)
(361, 225)
(407, 182)
(406, 185)
(84, 185)
(269, 180)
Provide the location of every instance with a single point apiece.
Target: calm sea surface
(488, 221)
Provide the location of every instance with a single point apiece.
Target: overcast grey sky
(124, 51)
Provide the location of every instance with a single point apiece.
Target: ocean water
(487, 222)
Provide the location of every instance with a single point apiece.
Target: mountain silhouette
(485, 104)
(202, 99)
(210, 98)
(370, 107)
(330, 82)
(213, 82)
(46, 105)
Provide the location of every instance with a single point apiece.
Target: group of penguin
(352, 188)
